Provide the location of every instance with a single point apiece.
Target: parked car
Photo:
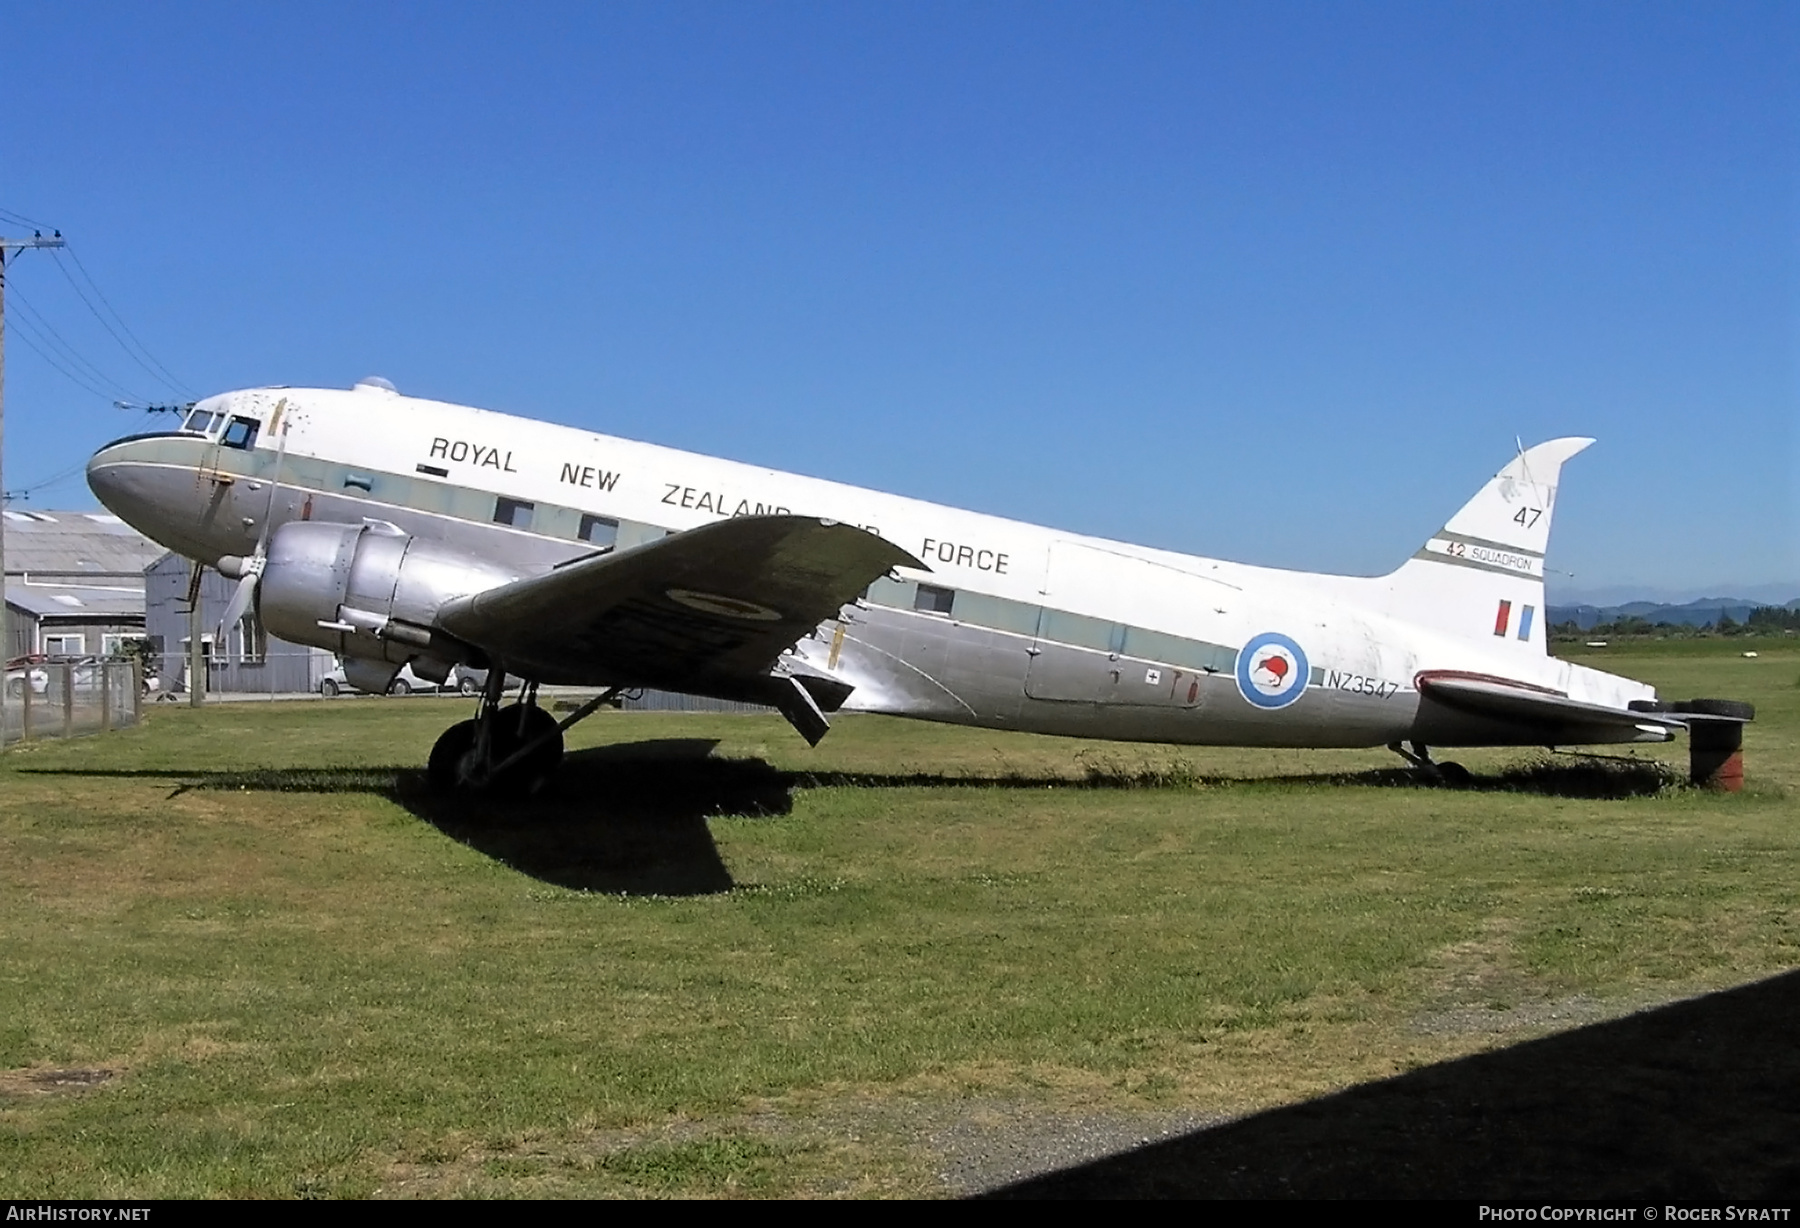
(462, 679)
(404, 683)
(27, 669)
(36, 669)
(470, 680)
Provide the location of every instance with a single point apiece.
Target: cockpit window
(202, 421)
(241, 433)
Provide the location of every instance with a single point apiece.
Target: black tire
(530, 773)
(328, 688)
(1455, 776)
(1736, 709)
(399, 686)
(468, 686)
(444, 769)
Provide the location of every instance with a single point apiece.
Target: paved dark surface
(1694, 1102)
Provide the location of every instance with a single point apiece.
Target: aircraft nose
(131, 488)
(103, 480)
(148, 481)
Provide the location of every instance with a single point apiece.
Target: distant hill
(1563, 591)
(1700, 613)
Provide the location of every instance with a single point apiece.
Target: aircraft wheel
(1455, 775)
(444, 769)
(530, 773)
(1719, 707)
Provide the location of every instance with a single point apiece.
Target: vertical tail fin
(1482, 574)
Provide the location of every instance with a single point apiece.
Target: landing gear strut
(510, 749)
(1453, 775)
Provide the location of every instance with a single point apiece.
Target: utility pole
(7, 248)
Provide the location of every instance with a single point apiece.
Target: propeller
(248, 571)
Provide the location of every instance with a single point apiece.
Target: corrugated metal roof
(75, 543)
(74, 601)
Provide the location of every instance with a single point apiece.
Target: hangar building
(74, 582)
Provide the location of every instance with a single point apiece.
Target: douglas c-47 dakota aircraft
(394, 530)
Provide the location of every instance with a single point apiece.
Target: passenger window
(515, 512)
(240, 434)
(600, 530)
(934, 600)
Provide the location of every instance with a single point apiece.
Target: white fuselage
(441, 470)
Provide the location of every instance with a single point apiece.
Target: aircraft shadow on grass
(632, 817)
(1696, 1102)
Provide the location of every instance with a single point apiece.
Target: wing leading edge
(707, 611)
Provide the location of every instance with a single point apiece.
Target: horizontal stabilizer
(1534, 716)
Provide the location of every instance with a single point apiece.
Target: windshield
(202, 422)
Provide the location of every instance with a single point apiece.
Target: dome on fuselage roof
(378, 382)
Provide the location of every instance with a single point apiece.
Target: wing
(1475, 710)
(707, 611)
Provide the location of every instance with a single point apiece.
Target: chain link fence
(62, 699)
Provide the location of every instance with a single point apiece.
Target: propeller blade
(250, 570)
(240, 599)
(262, 539)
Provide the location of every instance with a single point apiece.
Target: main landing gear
(506, 749)
(1451, 775)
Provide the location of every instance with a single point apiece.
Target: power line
(13, 246)
(19, 219)
(25, 336)
(156, 370)
(25, 492)
(35, 318)
(172, 380)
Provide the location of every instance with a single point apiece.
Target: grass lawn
(245, 954)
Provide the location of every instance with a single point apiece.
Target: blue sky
(1279, 283)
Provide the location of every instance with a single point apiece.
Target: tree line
(1762, 620)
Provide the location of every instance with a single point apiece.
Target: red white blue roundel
(1271, 670)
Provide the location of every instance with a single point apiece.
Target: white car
(36, 675)
(35, 672)
(405, 683)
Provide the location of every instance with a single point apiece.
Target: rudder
(1482, 574)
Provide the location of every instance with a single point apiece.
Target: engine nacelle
(367, 590)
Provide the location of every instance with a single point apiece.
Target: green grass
(717, 962)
